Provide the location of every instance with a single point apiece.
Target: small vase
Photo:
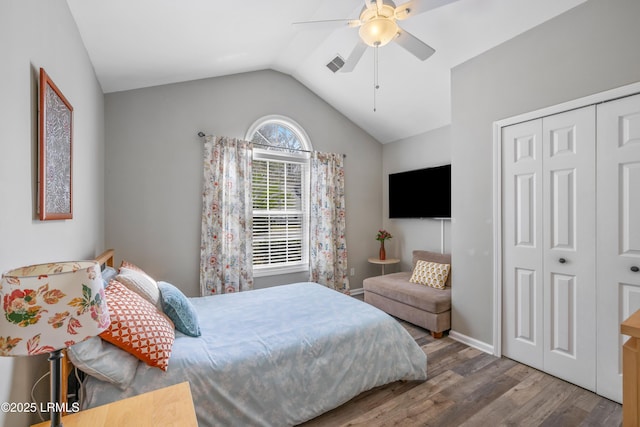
(383, 253)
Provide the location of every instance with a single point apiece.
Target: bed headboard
(104, 259)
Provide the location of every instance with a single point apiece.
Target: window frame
(282, 155)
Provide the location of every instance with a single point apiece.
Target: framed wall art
(55, 152)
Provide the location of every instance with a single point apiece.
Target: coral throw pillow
(131, 266)
(430, 274)
(138, 327)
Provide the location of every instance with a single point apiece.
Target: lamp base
(55, 367)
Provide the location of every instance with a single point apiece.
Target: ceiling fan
(377, 26)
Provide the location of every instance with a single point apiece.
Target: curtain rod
(202, 134)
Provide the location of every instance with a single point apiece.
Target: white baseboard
(357, 291)
(471, 342)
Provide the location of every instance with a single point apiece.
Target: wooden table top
(169, 406)
(383, 261)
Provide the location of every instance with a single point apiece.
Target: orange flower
(7, 344)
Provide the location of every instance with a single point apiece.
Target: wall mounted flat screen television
(422, 193)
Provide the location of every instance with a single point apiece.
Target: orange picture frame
(55, 195)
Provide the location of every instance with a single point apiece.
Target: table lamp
(49, 307)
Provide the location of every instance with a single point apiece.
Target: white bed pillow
(142, 284)
(104, 361)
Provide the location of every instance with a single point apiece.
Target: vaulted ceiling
(141, 43)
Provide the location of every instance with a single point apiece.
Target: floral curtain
(327, 222)
(225, 249)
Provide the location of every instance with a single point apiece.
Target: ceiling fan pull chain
(376, 86)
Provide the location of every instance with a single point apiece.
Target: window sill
(274, 271)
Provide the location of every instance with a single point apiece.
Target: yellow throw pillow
(430, 274)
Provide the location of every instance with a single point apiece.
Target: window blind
(278, 213)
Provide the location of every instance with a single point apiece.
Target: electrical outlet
(352, 272)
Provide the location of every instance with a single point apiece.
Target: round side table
(383, 262)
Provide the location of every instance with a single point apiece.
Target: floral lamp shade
(49, 307)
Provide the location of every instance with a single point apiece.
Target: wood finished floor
(467, 387)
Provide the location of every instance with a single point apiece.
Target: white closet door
(549, 207)
(569, 223)
(522, 336)
(618, 234)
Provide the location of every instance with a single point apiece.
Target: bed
(276, 357)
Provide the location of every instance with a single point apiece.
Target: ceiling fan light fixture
(378, 31)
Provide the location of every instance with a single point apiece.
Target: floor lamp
(49, 307)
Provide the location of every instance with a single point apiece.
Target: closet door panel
(618, 234)
(630, 209)
(525, 316)
(568, 159)
(522, 243)
(525, 203)
(563, 315)
(562, 221)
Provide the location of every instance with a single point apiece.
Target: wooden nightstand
(169, 406)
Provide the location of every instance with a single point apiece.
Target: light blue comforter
(278, 356)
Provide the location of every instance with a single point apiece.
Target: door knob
(635, 269)
(562, 260)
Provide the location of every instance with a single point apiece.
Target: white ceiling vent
(336, 63)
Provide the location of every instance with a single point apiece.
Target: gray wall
(431, 148)
(154, 167)
(34, 34)
(589, 49)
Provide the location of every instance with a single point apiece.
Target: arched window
(279, 132)
(280, 196)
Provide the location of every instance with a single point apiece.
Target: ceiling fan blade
(354, 57)
(415, 7)
(349, 22)
(415, 46)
